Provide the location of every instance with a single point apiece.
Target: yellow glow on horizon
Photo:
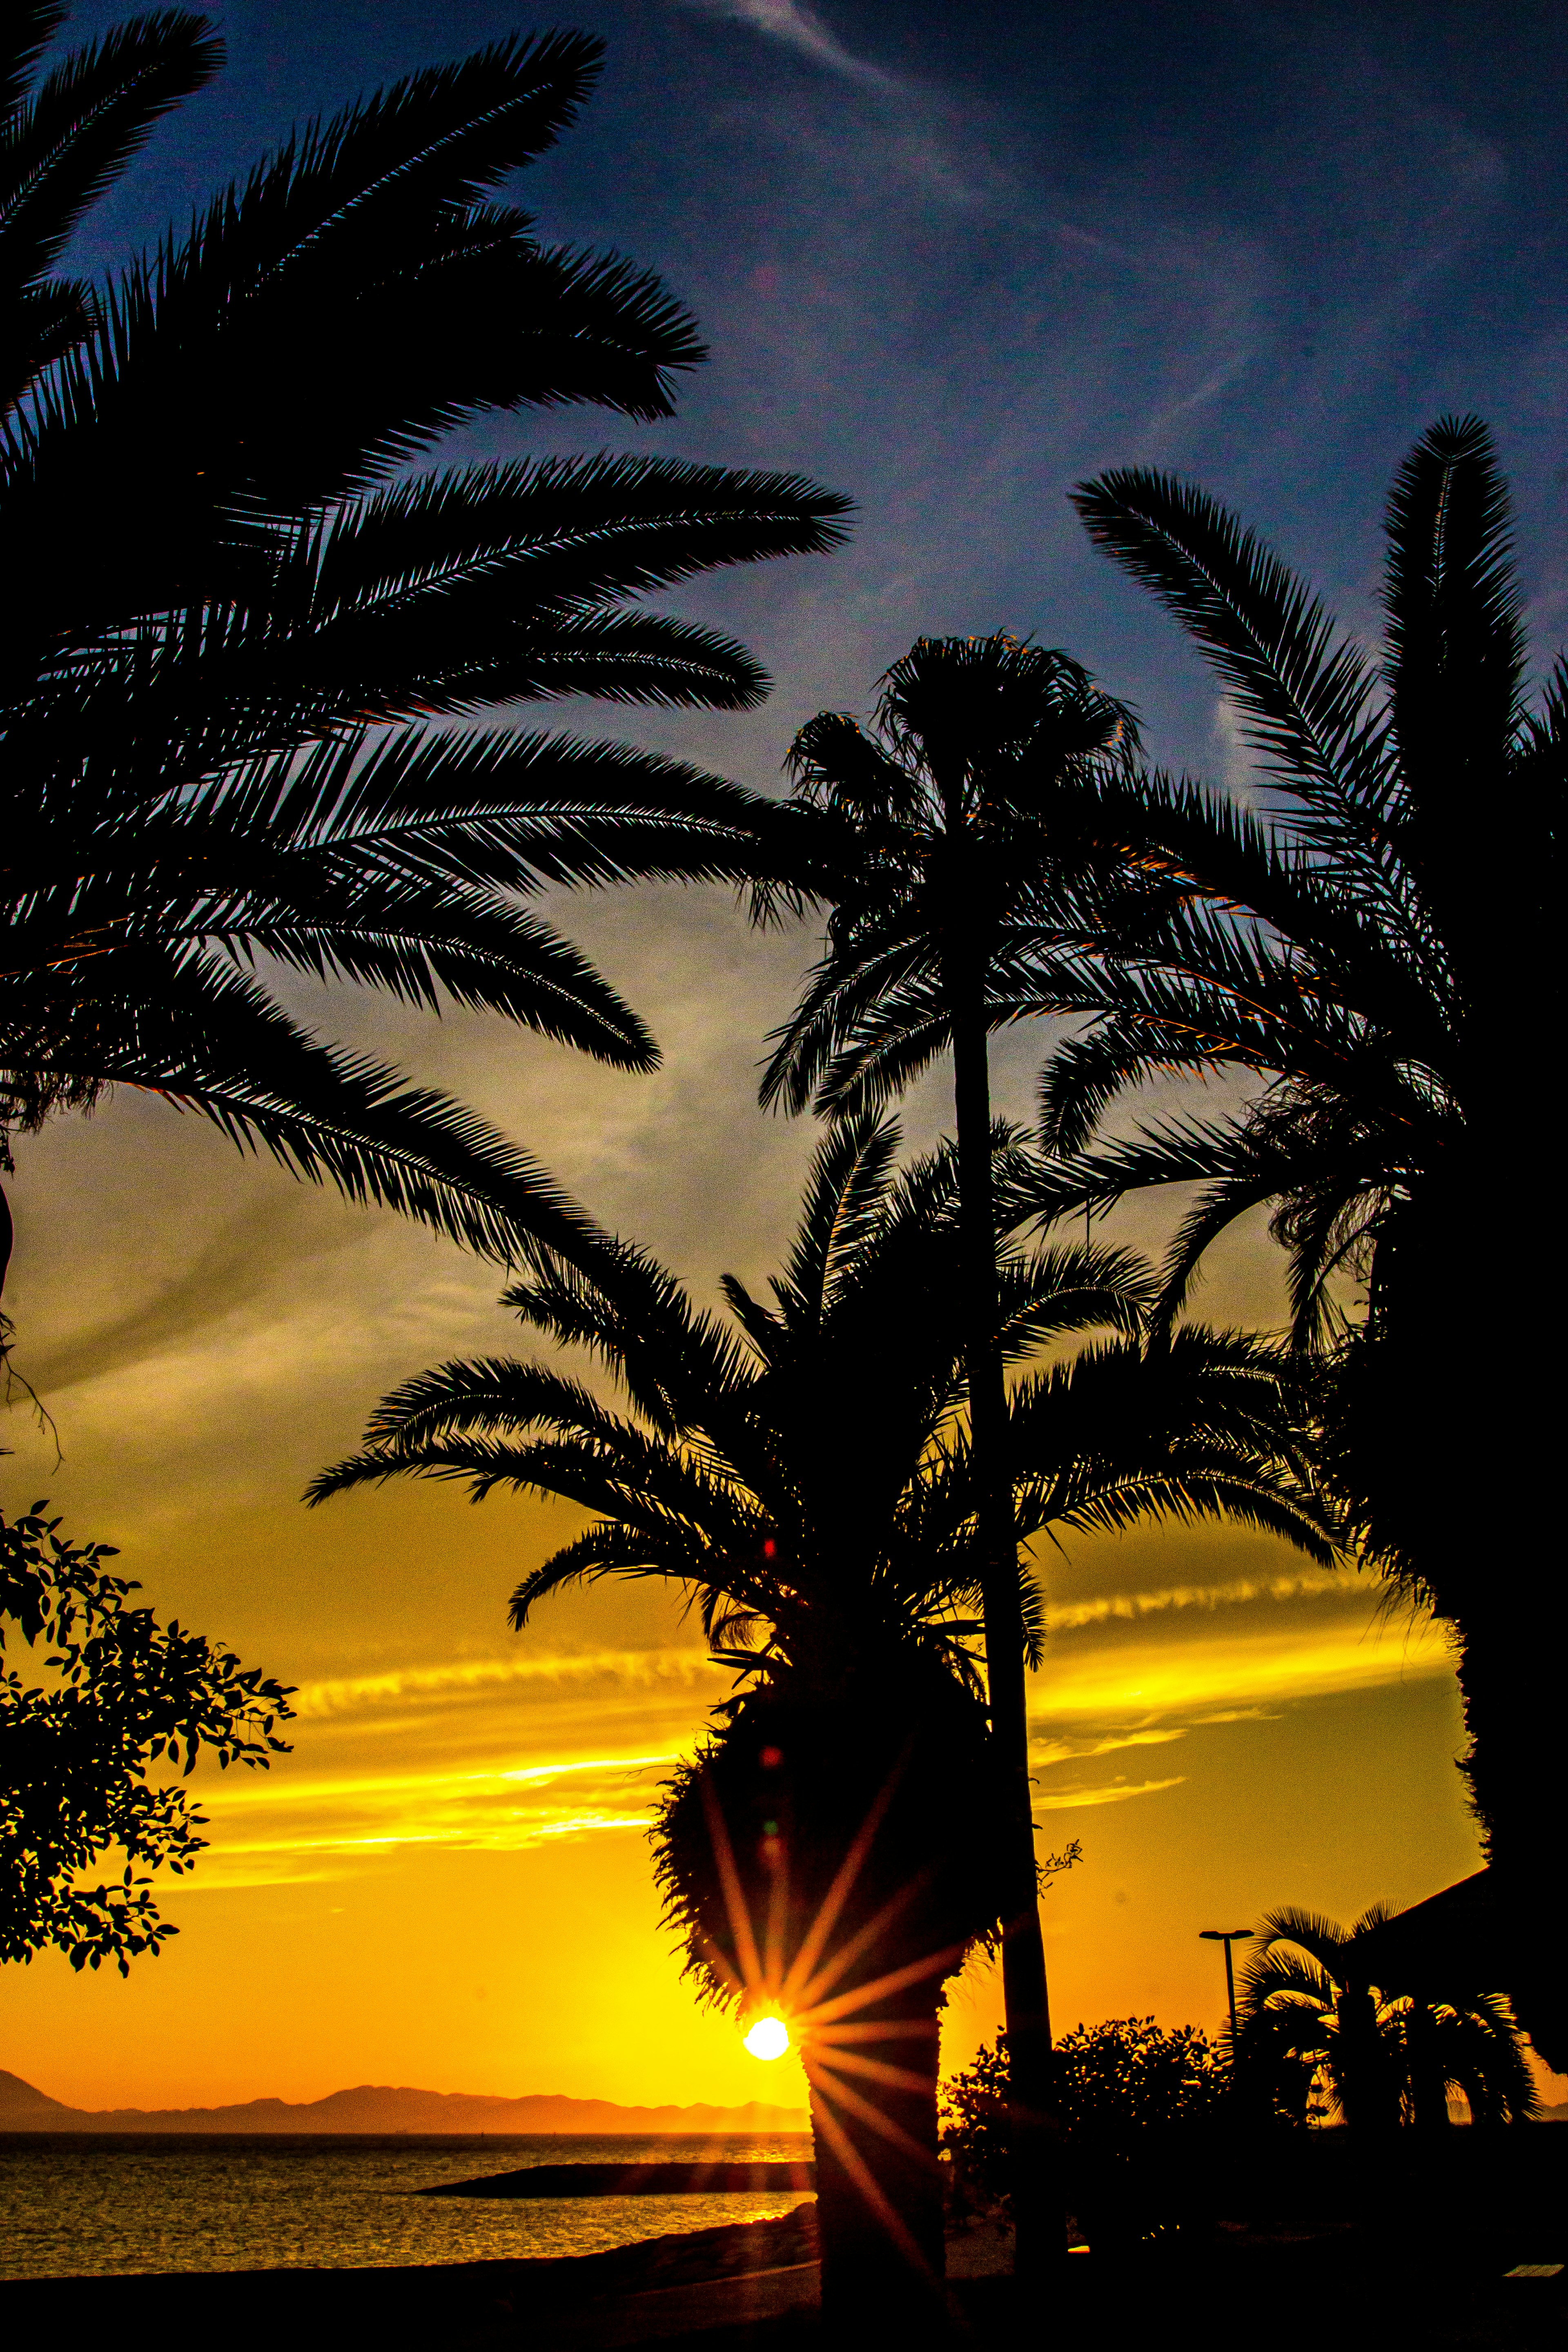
(768, 2038)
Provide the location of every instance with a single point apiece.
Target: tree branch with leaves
(114, 1696)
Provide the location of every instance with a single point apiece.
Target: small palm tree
(1312, 2011)
(804, 1472)
(1376, 949)
(242, 625)
(935, 837)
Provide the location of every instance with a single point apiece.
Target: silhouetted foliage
(936, 838)
(1316, 2027)
(1376, 943)
(120, 1694)
(803, 1471)
(1115, 2083)
(238, 618)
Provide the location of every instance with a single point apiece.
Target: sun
(769, 2038)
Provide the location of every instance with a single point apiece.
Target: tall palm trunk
(1442, 1450)
(1037, 2209)
(878, 2186)
(1428, 2082)
(1367, 2083)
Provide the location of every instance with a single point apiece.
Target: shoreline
(444, 2304)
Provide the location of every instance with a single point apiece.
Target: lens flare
(769, 2038)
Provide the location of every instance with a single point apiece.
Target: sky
(950, 261)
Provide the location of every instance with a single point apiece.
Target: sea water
(73, 2204)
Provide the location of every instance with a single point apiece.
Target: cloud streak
(1110, 1792)
(275, 1831)
(683, 1669)
(464, 1779)
(1290, 1584)
(803, 30)
(1237, 1672)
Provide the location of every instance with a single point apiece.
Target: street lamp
(1227, 1936)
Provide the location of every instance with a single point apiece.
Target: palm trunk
(1369, 2085)
(1428, 2088)
(6, 1235)
(1037, 2206)
(878, 2186)
(1449, 1441)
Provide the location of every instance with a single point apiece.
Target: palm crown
(1375, 951)
(1313, 2007)
(230, 733)
(1346, 946)
(940, 838)
(804, 1470)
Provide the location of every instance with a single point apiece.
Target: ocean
(78, 2204)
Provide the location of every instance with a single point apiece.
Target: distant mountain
(19, 2099)
(375, 2107)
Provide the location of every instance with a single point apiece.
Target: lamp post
(1227, 1936)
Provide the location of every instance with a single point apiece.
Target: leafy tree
(120, 1695)
(1115, 2084)
(1313, 2014)
(1375, 949)
(804, 1474)
(934, 837)
(246, 626)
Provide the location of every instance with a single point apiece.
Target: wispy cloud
(469, 1773)
(801, 28)
(469, 1678)
(1290, 1584)
(1047, 1752)
(1239, 1672)
(273, 1830)
(1110, 1792)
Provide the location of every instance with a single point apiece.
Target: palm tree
(1312, 2011)
(803, 1472)
(1375, 951)
(935, 837)
(245, 630)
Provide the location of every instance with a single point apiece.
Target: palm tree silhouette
(230, 687)
(805, 1473)
(1375, 948)
(934, 837)
(1313, 2010)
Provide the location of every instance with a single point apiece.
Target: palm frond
(211, 1039)
(1305, 693)
(65, 146)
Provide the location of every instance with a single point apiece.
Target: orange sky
(447, 1883)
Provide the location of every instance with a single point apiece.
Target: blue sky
(953, 259)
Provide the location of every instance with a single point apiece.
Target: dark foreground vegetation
(99, 1702)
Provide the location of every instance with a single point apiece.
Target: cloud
(801, 29)
(1061, 1800)
(1047, 1752)
(272, 1831)
(1240, 1672)
(496, 1753)
(640, 1669)
(272, 1235)
(1290, 1584)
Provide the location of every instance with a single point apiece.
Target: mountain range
(381, 2108)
